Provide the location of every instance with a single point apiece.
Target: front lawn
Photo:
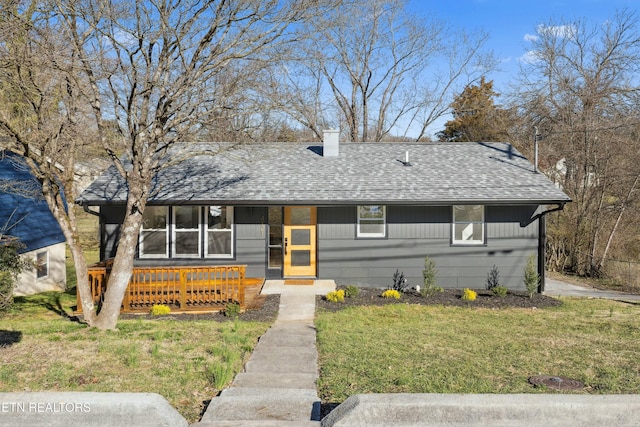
(404, 348)
(185, 361)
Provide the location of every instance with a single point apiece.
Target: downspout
(101, 225)
(542, 242)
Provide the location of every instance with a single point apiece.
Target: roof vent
(331, 143)
(406, 159)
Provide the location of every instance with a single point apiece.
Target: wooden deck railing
(181, 288)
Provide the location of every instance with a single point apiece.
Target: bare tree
(580, 89)
(150, 73)
(156, 67)
(40, 116)
(370, 68)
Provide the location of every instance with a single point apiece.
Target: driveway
(558, 288)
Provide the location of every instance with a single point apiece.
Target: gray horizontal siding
(414, 232)
(249, 231)
(458, 267)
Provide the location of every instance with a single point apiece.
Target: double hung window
(193, 232)
(372, 221)
(468, 225)
(219, 232)
(154, 236)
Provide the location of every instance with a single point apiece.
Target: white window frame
(175, 231)
(456, 223)
(361, 234)
(166, 242)
(231, 229)
(39, 265)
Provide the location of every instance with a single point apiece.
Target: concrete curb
(87, 409)
(485, 409)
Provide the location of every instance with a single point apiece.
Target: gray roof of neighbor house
(439, 173)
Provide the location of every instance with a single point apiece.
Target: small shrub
(469, 295)
(493, 278)
(232, 309)
(11, 264)
(531, 277)
(391, 293)
(429, 273)
(500, 291)
(427, 292)
(160, 310)
(6, 290)
(336, 296)
(400, 284)
(351, 291)
(429, 278)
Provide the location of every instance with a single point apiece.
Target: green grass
(187, 362)
(427, 349)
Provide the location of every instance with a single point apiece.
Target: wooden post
(241, 272)
(183, 289)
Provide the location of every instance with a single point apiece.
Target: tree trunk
(122, 264)
(617, 223)
(68, 225)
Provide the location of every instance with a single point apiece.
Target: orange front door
(299, 241)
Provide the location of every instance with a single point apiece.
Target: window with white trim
(186, 232)
(371, 221)
(468, 225)
(154, 235)
(219, 232)
(194, 232)
(42, 264)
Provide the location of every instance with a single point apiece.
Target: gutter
(542, 242)
(101, 224)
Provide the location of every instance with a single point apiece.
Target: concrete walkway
(278, 385)
(557, 288)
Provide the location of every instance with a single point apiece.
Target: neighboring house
(25, 216)
(352, 212)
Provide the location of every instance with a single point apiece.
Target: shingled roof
(24, 214)
(439, 173)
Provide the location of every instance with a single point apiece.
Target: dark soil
(450, 297)
(267, 313)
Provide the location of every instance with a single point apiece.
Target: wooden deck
(192, 289)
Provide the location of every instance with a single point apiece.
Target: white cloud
(530, 57)
(562, 31)
(530, 37)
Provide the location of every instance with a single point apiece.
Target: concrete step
(303, 363)
(271, 392)
(250, 404)
(291, 355)
(275, 380)
(261, 423)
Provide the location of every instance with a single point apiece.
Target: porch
(184, 289)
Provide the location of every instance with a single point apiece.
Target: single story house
(25, 216)
(352, 212)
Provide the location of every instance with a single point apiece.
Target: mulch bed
(450, 297)
(369, 297)
(266, 313)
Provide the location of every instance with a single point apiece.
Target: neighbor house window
(154, 236)
(219, 231)
(468, 224)
(371, 221)
(42, 264)
(186, 231)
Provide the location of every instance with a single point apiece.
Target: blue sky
(509, 21)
